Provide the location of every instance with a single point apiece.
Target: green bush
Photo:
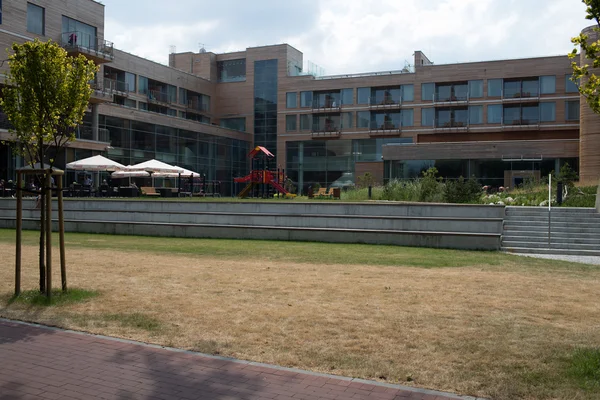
(462, 191)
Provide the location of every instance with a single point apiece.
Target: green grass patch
(134, 320)
(302, 252)
(585, 368)
(35, 298)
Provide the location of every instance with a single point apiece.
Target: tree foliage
(46, 97)
(583, 73)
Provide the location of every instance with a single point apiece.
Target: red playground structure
(261, 179)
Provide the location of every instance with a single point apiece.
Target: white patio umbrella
(127, 173)
(185, 173)
(95, 164)
(155, 166)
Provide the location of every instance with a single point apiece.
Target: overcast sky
(349, 36)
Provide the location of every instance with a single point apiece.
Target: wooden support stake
(19, 232)
(61, 233)
(48, 227)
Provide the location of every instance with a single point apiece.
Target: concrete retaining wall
(427, 225)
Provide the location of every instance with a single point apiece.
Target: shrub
(462, 191)
(431, 186)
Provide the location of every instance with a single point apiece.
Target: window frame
(287, 118)
(553, 103)
(495, 107)
(542, 79)
(567, 102)
(43, 19)
(287, 99)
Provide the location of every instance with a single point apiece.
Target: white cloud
(346, 36)
(153, 42)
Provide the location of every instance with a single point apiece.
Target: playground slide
(244, 193)
(246, 178)
(279, 187)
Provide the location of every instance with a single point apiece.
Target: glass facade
(486, 171)
(219, 158)
(85, 34)
(238, 124)
(291, 100)
(494, 87)
(325, 161)
(265, 104)
(231, 70)
(35, 19)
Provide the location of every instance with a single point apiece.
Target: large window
(231, 70)
(475, 89)
(362, 119)
(408, 93)
(427, 116)
(347, 96)
(346, 120)
(548, 112)
(142, 85)
(291, 100)
(494, 87)
(79, 33)
(521, 88)
(494, 114)
(130, 81)
(291, 123)
(451, 117)
(306, 99)
(548, 84)
(521, 115)
(570, 86)
(572, 110)
(35, 19)
(408, 117)
(427, 90)
(238, 124)
(475, 114)
(363, 95)
(305, 122)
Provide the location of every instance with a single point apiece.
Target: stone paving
(38, 362)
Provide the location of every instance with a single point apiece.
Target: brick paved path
(43, 363)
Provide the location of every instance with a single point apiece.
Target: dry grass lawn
(498, 331)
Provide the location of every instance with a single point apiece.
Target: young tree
(583, 73)
(45, 99)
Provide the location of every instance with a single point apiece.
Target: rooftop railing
(81, 41)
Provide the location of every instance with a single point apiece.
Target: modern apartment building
(500, 121)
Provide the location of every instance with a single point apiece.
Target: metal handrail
(81, 40)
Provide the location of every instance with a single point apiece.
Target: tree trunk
(42, 204)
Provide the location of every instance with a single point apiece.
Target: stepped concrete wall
(426, 225)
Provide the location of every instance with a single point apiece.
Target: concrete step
(556, 245)
(456, 240)
(566, 252)
(512, 227)
(429, 224)
(554, 238)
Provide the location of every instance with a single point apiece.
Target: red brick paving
(42, 363)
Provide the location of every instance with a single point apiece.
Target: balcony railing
(80, 41)
(158, 96)
(452, 124)
(197, 105)
(330, 106)
(115, 86)
(86, 132)
(520, 95)
(385, 102)
(387, 128)
(448, 98)
(521, 121)
(328, 130)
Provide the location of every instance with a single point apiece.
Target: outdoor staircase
(573, 231)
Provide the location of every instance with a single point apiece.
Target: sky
(349, 36)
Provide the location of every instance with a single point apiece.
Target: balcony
(326, 102)
(99, 51)
(386, 102)
(157, 96)
(85, 132)
(386, 129)
(99, 94)
(326, 131)
(520, 96)
(531, 123)
(451, 99)
(196, 104)
(454, 125)
(113, 86)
